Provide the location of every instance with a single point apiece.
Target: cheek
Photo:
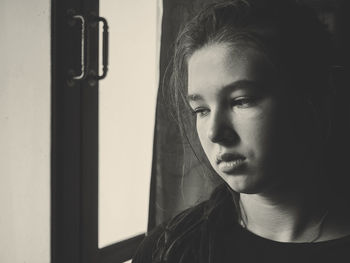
(258, 128)
(202, 135)
(209, 148)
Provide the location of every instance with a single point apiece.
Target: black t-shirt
(253, 248)
(232, 243)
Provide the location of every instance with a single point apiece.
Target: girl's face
(241, 117)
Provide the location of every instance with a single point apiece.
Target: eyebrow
(239, 84)
(194, 97)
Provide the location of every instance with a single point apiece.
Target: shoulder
(158, 238)
(188, 230)
(149, 244)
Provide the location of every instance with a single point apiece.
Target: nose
(221, 129)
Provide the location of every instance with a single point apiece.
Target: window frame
(74, 144)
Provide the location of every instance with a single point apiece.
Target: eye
(243, 102)
(200, 111)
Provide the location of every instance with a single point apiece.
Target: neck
(283, 215)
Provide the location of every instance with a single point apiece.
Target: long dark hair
(299, 46)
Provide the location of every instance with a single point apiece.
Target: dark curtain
(179, 180)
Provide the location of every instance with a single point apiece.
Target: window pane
(127, 102)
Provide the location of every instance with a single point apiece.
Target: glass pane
(127, 103)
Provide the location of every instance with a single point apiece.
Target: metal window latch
(83, 62)
(73, 18)
(105, 46)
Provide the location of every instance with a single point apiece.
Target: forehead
(216, 66)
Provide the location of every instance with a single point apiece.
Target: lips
(230, 162)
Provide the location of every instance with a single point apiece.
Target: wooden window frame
(74, 144)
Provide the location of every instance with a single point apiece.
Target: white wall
(24, 131)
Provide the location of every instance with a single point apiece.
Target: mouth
(230, 163)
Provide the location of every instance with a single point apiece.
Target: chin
(241, 184)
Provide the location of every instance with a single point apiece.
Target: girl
(255, 75)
